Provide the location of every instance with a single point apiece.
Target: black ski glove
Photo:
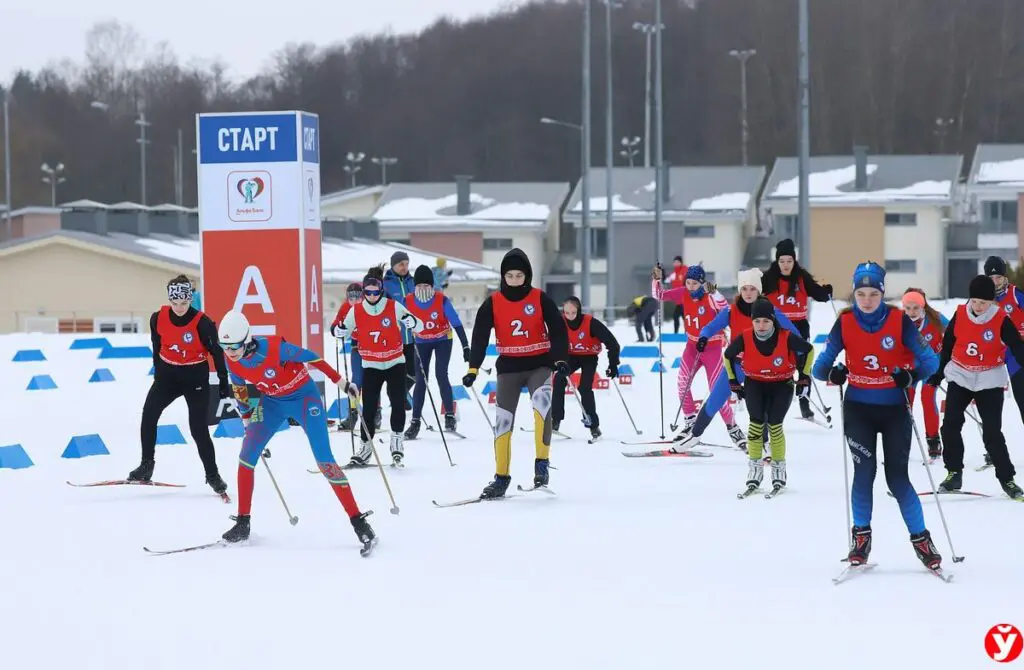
(828, 289)
(837, 375)
(702, 343)
(469, 378)
(803, 387)
(465, 354)
(613, 370)
(935, 379)
(902, 378)
(737, 388)
(561, 369)
(224, 389)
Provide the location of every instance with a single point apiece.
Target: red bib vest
(738, 322)
(271, 376)
(179, 345)
(697, 314)
(581, 342)
(519, 328)
(978, 346)
(435, 323)
(1013, 310)
(871, 358)
(778, 366)
(380, 337)
(793, 306)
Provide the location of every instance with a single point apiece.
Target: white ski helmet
(234, 329)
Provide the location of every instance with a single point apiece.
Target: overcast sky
(242, 34)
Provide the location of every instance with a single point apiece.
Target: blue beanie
(869, 274)
(695, 272)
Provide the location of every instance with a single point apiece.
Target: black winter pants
(171, 382)
(373, 381)
(588, 367)
(990, 410)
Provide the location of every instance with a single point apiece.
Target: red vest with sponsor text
(435, 323)
(697, 314)
(519, 328)
(871, 358)
(271, 376)
(581, 342)
(793, 306)
(380, 337)
(179, 345)
(978, 346)
(778, 366)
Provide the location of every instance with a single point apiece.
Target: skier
(677, 279)
(435, 310)
(279, 371)
(701, 303)
(398, 284)
(973, 363)
(441, 274)
(1011, 299)
(931, 325)
(643, 309)
(531, 340)
(586, 335)
(790, 288)
(353, 294)
(380, 320)
(182, 339)
(770, 356)
(737, 317)
(878, 339)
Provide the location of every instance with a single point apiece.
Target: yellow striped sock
(755, 440)
(778, 441)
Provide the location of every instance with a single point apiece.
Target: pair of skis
(853, 570)
(479, 499)
(127, 482)
(751, 490)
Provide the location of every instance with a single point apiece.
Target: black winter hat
(982, 287)
(423, 275)
(762, 309)
(785, 248)
(516, 259)
(398, 257)
(994, 265)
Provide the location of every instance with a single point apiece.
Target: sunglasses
(233, 347)
(371, 291)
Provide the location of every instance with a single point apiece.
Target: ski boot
(379, 420)
(805, 409)
(450, 425)
(497, 488)
(397, 450)
(1011, 489)
(934, 446)
(540, 472)
(363, 456)
(988, 460)
(925, 550)
(351, 421)
(595, 433)
(240, 531)
(216, 483)
(143, 473)
(413, 431)
(778, 475)
(555, 425)
(364, 532)
(954, 481)
(861, 545)
(755, 473)
(738, 438)
(689, 420)
(684, 441)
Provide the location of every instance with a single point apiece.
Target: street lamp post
(383, 162)
(141, 140)
(804, 87)
(648, 29)
(7, 163)
(609, 169)
(585, 252)
(743, 56)
(629, 149)
(584, 202)
(352, 167)
(53, 177)
(659, 154)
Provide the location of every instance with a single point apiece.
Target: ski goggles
(176, 292)
(233, 347)
(372, 291)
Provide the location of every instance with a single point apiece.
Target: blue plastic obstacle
(152, 370)
(677, 362)
(90, 343)
(459, 392)
(81, 446)
(489, 387)
(492, 350)
(230, 428)
(28, 356)
(626, 369)
(14, 457)
(673, 337)
(657, 367)
(101, 375)
(126, 352)
(41, 383)
(638, 351)
(334, 413)
(169, 434)
(820, 338)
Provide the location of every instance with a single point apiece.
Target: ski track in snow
(639, 563)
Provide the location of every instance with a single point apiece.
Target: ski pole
(931, 480)
(625, 406)
(675, 422)
(587, 421)
(480, 404)
(440, 427)
(337, 364)
(362, 422)
(291, 519)
(661, 365)
(846, 473)
(352, 433)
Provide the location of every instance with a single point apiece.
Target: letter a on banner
(252, 277)
(314, 294)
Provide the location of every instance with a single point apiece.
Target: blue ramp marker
(626, 369)
(459, 392)
(492, 350)
(169, 434)
(673, 337)
(126, 352)
(90, 343)
(28, 356)
(81, 446)
(658, 367)
(41, 383)
(820, 338)
(676, 363)
(230, 428)
(334, 411)
(152, 370)
(14, 457)
(638, 351)
(101, 375)
(490, 387)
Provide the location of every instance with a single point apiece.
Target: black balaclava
(575, 323)
(516, 259)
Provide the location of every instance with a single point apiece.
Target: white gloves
(409, 321)
(349, 388)
(340, 331)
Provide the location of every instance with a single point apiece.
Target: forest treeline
(900, 76)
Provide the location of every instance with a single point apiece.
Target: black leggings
(373, 381)
(171, 383)
(588, 368)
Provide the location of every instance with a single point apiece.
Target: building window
(117, 324)
(907, 266)
(699, 231)
(599, 243)
(900, 219)
(497, 243)
(999, 217)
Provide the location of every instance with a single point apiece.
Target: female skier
(931, 325)
(737, 317)
(182, 338)
(878, 340)
(769, 357)
(379, 321)
(435, 310)
(279, 371)
(1011, 299)
(701, 304)
(586, 335)
(790, 288)
(531, 340)
(973, 362)
(353, 294)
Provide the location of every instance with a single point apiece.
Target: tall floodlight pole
(585, 179)
(648, 30)
(805, 139)
(7, 163)
(609, 161)
(743, 56)
(659, 131)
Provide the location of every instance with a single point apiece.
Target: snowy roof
(347, 194)
(492, 204)
(343, 260)
(693, 191)
(168, 207)
(889, 179)
(998, 165)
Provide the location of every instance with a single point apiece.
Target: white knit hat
(751, 277)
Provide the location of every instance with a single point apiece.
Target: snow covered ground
(638, 563)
